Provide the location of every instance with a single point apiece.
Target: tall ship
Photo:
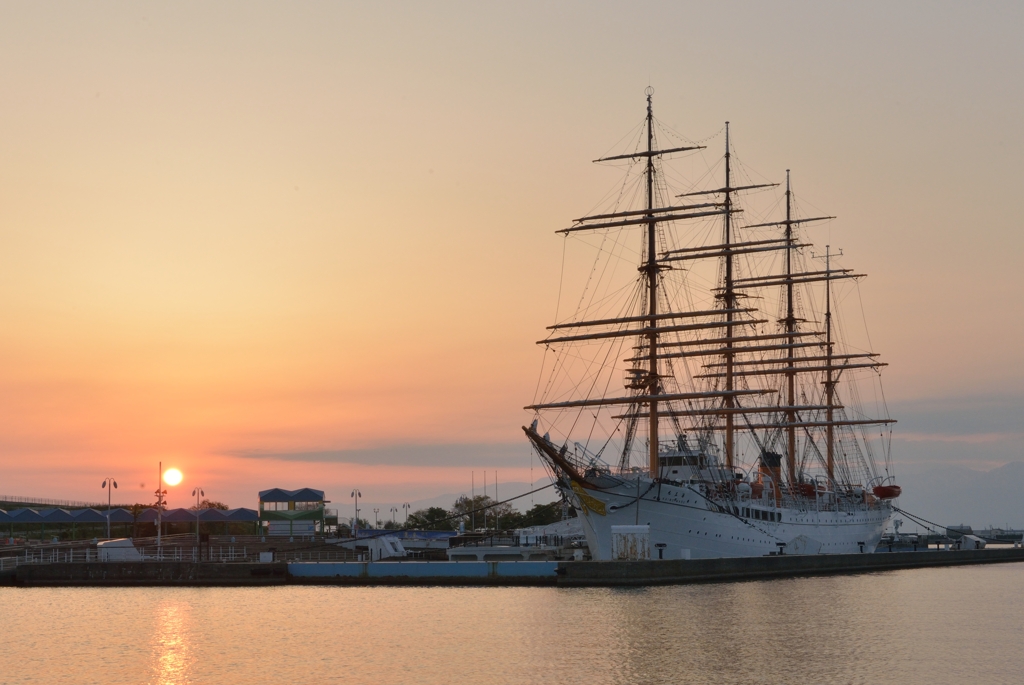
(705, 385)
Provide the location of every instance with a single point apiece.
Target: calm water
(951, 625)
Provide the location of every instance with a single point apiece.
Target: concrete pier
(426, 573)
(549, 573)
(131, 573)
(684, 571)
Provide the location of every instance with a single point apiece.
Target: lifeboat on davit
(806, 489)
(887, 491)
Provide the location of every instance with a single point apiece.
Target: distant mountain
(952, 495)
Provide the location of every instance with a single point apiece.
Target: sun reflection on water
(172, 651)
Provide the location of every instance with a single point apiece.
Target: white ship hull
(683, 524)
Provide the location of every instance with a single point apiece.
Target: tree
(544, 514)
(210, 504)
(136, 510)
(432, 518)
(345, 527)
(488, 513)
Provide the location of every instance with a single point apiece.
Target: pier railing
(510, 540)
(228, 553)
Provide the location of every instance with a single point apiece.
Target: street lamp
(394, 510)
(406, 507)
(171, 477)
(113, 484)
(355, 522)
(198, 492)
(376, 519)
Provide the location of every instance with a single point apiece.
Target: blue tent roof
(88, 516)
(56, 516)
(179, 516)
(148, 515)
(5, 517)
(119, 516)
(169, 515)
(26, 516)
(209, 515)
(189, 515)
(241, 515)
(300, 495)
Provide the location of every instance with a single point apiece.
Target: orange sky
(258, 228)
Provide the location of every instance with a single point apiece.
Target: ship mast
(790, 330)
(730, 305)
(652, 294)
(830, 384)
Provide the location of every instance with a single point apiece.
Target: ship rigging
(743, 409)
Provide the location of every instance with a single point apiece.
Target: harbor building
(294, 512)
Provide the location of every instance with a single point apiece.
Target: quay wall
(550, 573)
(127, 573)
(682, 571)
(425, 572)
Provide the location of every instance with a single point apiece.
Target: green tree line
(489, 515)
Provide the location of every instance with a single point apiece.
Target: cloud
(473, 455)
(980, 431)
(990, 418)
(968, 439)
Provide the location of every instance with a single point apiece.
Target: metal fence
(227, 553)
(39, 502)
(516, 541)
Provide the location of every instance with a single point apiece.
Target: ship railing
(824, 501)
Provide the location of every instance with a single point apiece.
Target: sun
(172, 476)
